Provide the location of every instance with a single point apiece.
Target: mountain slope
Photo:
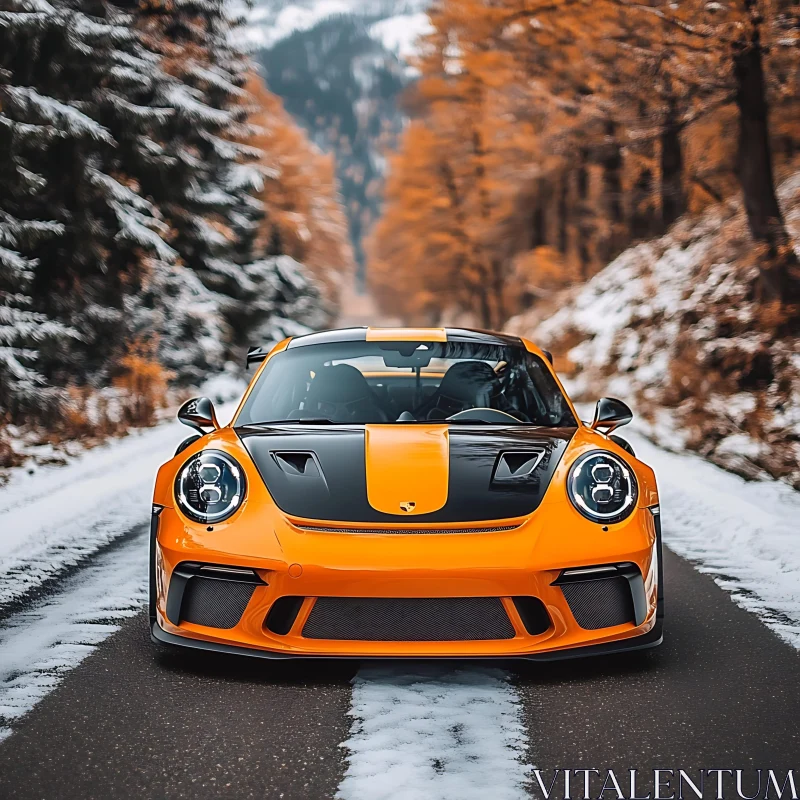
(273, 20)
(340, 67)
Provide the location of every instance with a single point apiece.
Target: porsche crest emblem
(408, 507)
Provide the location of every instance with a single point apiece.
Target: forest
(612, 178)
(159, 211)
(618, 180)
(548, 136)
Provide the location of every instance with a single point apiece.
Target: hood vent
(516, 466)
(296, 462)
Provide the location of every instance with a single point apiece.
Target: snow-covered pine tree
(129, 203)
(79, 71)
(182, 320)
(282, 300)
(23, 390)
(207, 189)
(211, 191)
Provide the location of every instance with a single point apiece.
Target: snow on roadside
(56, 517)
(39, 645)
(437, 732)
(743, 534)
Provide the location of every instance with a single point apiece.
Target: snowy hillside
(397, 23)
(671, 327)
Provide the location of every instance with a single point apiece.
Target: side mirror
(610, 414)
(199, 414)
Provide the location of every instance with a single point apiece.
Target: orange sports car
(406, 492)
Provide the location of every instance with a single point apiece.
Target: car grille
(215, 603)
(405, 531)
(410, 619)
(600, 603)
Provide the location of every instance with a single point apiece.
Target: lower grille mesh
(408, 619)
(215, 603)
(600, 603)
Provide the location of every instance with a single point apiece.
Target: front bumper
(526, 561)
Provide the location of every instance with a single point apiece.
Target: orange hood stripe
(408, 468)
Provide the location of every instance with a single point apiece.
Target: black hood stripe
(337, 490)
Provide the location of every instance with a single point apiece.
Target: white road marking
(435, 732)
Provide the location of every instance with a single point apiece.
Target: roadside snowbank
(55, 517)
(40, 645)
(744, 534)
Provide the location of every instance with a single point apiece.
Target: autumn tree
(567, 130)
(304, 217)
(460, 182)
(731, 47)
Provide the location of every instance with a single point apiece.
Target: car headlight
(210, 486)
(602, 487)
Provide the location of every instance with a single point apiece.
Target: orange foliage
(305, 218)
(143, 382)
(549, 136)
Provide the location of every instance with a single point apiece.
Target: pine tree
(207, 186)
(181, 322)
(131, 198)
(284, 300)
(85, 79)
(23, 390)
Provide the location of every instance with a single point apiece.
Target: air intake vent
(415, 619)
(600, 603)
(533, 614)
(517, 466)
(297, 463)
(214, 602)
(283, 613)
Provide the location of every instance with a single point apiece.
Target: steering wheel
(490, 415)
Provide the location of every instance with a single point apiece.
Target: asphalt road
(722, 692)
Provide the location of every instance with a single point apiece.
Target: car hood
(406, 473)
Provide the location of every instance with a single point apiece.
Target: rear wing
(255, 355)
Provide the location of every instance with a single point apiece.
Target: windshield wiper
(481, 422)
(304, 421)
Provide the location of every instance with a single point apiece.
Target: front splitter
(644, 642)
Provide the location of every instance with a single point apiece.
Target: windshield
(379, 382)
